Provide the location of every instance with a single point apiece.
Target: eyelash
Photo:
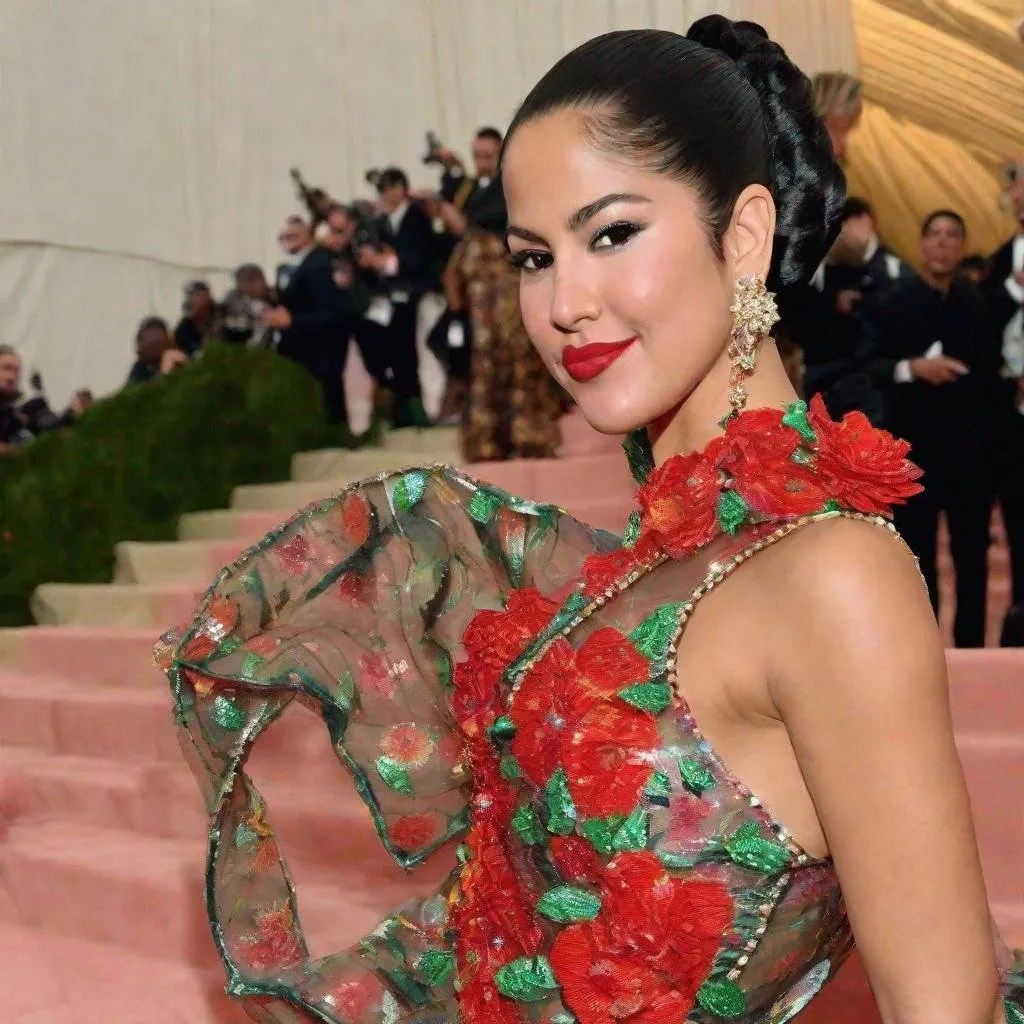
(624, 230)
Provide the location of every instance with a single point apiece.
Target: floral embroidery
(646, 955)
(275, 944)
(861, 467)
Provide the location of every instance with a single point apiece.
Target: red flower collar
(769, 465)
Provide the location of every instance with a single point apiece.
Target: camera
(433, 145)
(372, 177)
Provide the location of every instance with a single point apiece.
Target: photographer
(471, 201)
(243, 308)
(399, 259)
(313, 316)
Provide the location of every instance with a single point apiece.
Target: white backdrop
(147, 142)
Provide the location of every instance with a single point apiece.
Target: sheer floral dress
(491, 669)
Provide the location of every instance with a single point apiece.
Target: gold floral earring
(754, 314)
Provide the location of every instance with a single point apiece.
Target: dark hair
(490, 133)
(720, 109)
(935, 215)
(390, 177)
(149, 324)
(248, 270)
(856, 207)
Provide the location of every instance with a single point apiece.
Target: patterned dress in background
(514, 405)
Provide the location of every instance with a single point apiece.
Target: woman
(493, 669)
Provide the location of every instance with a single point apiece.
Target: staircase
(101, 910)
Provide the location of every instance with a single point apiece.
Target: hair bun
(809, 185)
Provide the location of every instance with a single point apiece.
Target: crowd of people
(356, 276)
(936, 356)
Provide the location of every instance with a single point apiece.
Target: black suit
(1003, 309)
(482, 204)
(322, 319)
(413, 244)
(951, 428)
(832, 341)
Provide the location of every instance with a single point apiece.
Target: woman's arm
(859, 676)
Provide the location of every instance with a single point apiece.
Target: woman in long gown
(491, 669)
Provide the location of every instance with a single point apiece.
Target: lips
(585, 362)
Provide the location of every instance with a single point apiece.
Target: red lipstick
(585, 362)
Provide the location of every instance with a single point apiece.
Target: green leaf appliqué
(632, 834)
(748, 847)
(653, 636)
(527, 825)
(567, 903)
(502, 728)
(409, 489)
(436, 966)
(227, 714)
(651, 697)
(732, 511)
(695, 776)
(484, 503)
(527, 980)
(394, 775)
(795, 416)
(723, 999)
(561, 809)
(631, 533)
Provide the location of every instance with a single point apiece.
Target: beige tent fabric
(944, 109)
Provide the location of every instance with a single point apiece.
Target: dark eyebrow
(580, 217)
(585, 213)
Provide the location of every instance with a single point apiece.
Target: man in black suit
(313, 316)
(401, 266)
(826, 316)
(931, 353)
(480, 199)
(1004, 291)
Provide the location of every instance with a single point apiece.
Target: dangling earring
(754, 314)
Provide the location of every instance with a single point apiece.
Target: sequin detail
(436, 966)
(227, 714)
(723, 999)
(410, 489)
(394, 775)
(650, 697)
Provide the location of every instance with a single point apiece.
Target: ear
(751, 232)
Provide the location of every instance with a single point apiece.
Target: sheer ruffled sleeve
(356, 607)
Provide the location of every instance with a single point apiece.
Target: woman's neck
(692, 424)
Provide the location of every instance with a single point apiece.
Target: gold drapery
(944, 109)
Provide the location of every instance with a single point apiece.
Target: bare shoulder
(845, 596)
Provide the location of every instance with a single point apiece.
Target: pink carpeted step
(994, 768)
(83, 654)
(146, 894)
(66, 717)
(987, 690)
(55, 979)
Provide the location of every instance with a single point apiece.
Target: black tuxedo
(482, 204)
(323, 316)
(831, 341)
(951, 427)
(413, 245)
(1003, 309)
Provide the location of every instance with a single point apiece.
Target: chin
(610, 413)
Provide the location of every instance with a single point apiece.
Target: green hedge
(144, 457)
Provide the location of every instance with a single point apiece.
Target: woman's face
(620, 289)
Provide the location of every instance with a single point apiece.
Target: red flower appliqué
(275, 944)
(757, 453)
(679, 501)
(492, 641)
(647, 953)
(862, 467)
(566, 714)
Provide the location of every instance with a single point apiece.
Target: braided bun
(809, 186)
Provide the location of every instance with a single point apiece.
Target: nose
(574, 298)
